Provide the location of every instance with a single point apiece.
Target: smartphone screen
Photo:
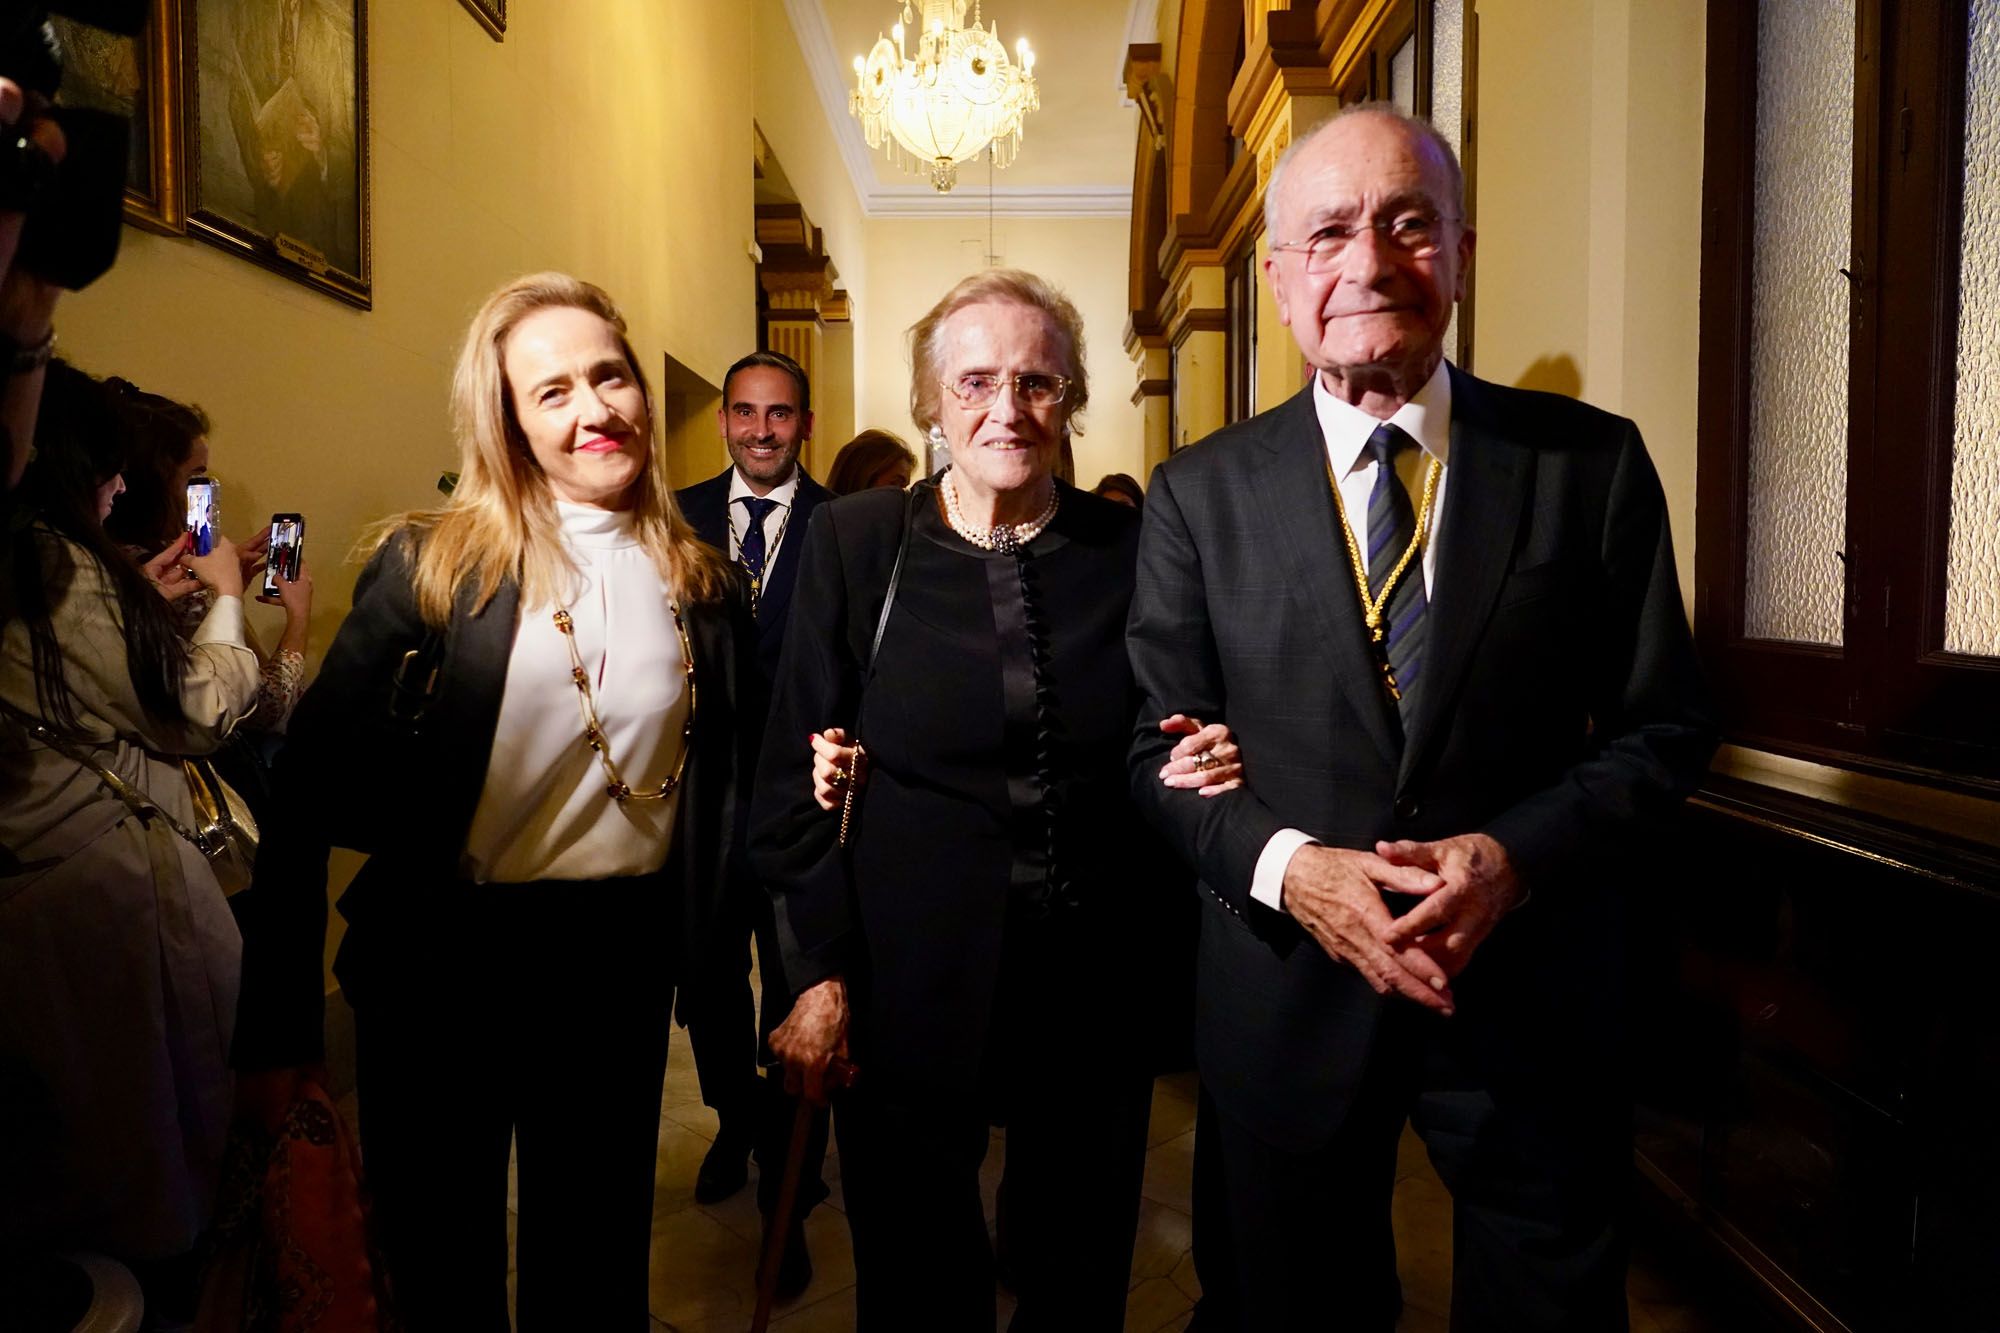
(288, 542)
(203, 513)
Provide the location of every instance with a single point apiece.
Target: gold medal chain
(1372, 608)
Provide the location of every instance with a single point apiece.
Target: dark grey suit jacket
(1560, 710)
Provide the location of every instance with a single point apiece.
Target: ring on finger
(1205, 761)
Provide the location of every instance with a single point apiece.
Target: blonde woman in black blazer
(531, 722)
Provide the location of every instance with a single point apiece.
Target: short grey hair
(1416, 125)
(994, 285)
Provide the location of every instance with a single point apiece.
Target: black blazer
(706, 505)
(1561, 708)
(345, 767)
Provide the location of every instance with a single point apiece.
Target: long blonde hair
(500, 521)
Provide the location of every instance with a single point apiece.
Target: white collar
(739, 489)
(597, 529)
(1426, 418)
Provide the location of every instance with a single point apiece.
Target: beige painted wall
(788, 112)
(1587, 276)
(626, 162)
(914, 261)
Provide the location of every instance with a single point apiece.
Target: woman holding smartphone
(118, 957)
(170, 449)
(530, 720)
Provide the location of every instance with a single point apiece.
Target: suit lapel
(706, 508)
(477, 651)
(1297, 497)
(1488, 493)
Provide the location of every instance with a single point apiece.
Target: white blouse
(545, 812)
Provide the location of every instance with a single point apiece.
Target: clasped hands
(1466, 883)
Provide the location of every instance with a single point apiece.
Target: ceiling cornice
(829, 79)
(1016, 201)
(815, 37)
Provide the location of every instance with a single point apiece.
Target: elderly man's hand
(1336, 894)
(1205, 760)
(1480, 887)
(812, 1038)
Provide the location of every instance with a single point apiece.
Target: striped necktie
(751, 551)
(1392, 524)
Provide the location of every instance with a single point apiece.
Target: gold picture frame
(139, 77)
(492, 16)
(276, 138)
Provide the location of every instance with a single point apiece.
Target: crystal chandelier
(957, 93)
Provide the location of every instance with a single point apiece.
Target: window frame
(1882, 701)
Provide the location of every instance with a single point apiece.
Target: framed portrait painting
(137, 78)
(277, 134)
(492, 15)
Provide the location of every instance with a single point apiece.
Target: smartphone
(204, 512)
(288, 544)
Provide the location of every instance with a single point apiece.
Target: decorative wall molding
(829, 79)
(1142, 28)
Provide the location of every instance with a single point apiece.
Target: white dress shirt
(777, 524)
(1426, 418)
(545, 812)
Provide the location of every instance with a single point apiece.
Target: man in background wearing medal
(756, 514)
(1442, 618)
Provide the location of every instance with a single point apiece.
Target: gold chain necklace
(1373, 608)
(593, 733)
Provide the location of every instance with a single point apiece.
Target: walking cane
(839, 1074)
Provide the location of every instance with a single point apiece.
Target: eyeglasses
(1033, 389)
(1417, 235)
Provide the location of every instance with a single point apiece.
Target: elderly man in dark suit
(756, 514)
(1442, 618)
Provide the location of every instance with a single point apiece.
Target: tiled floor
(704, 1257)
(703, 1278)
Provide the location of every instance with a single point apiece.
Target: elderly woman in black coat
(987, 942)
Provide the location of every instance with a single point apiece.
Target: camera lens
(25, 169)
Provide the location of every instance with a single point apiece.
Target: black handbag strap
(895, 578)
(847, 800)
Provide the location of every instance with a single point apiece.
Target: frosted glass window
(1803, 210)
(1403, 77)
(1448, 98)
(1447, 69)
(1972, 562)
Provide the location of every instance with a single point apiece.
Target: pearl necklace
(1003, 537)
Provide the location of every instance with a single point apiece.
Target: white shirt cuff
(1267, 882)
(223, 623)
